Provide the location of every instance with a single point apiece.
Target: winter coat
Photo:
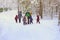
(31, 19)
(24, 20)
(19, 14)
(28, 14)
(38, 18)
(16, 17)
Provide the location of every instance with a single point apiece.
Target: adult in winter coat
(38, 19)
(19, 15)
(28, 16)
(16, 18)
(31, 19)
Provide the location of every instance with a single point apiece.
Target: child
(38, 19)
(31, 19)
(24, 20)
(16, 17)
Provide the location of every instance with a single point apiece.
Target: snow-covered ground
(9, 30)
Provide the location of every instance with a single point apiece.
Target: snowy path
(9, 30)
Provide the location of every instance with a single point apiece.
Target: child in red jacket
(16, 17)
(38, 19)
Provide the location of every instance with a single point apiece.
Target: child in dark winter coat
(16, 17)
(38, 19)
(31, 19)
(24, 20)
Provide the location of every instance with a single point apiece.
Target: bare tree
(41, 9)
(59, 18)
(59, 14)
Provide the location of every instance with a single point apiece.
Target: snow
(9, 30)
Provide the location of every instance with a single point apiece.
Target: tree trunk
(18, 6)
(59, 14)
(52, 13)
(41, 9)
(59, 19)
(56, 9)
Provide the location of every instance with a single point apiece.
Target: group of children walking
(26, 19)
